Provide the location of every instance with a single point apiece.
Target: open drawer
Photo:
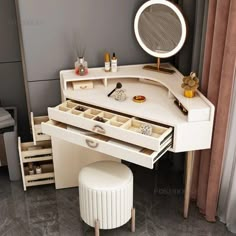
(36, 128)
(31, 153)
(46, 177)
(122, 150)
(32, 156)
(120, 127)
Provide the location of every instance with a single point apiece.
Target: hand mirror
(160, 29)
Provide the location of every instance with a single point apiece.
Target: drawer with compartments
(119, 135)
(108, 123)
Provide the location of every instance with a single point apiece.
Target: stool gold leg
(133, 220)
(96, 227)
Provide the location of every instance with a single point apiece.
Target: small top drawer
(37, 129)
(86, 84)
(111, 124)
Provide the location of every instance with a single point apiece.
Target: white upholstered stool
(106, 195)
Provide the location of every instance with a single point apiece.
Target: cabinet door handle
(91, 143)
(83, 86)
(99, 129)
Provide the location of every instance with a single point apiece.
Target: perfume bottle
(114, 63)
(81, 66)
(31, 171)
(107, 62)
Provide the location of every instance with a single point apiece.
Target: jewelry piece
(139, 98)
(100, 119)
(146, 129)
(80, 108)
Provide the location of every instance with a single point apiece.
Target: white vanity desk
(119, 135)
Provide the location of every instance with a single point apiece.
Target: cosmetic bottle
(30, 165)
(81, 66)
(38, 170)
(107, 62)
(114, 63)
(31, 171)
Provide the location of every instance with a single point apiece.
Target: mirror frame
(183, 27)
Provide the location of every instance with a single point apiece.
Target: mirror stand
(158, 68)
(160, 29)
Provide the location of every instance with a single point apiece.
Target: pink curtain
(217, 81)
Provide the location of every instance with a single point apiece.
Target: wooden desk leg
(188, 180)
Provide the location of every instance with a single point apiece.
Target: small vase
(189, 93)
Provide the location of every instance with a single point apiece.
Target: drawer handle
(91, 143)
(99, 129)
(83, 87)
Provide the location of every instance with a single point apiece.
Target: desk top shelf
(161, 90)
(191, 131)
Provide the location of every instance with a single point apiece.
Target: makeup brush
(118, 86)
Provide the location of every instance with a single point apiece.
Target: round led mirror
(160, 29)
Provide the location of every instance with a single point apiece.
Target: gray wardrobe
(12, 90)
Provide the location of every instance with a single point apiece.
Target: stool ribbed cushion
(106, 194)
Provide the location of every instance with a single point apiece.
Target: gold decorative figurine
(190, 85)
